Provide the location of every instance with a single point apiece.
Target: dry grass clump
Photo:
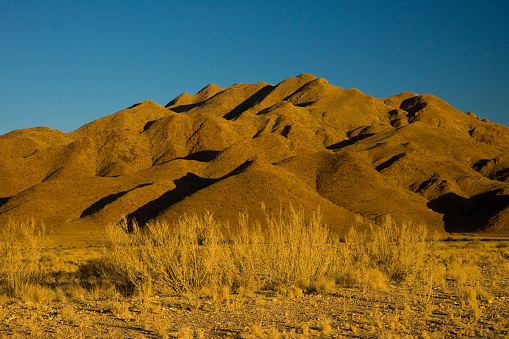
(286, 253)
(118, 309)
(159, 327)
(462, 272)
(454, 287)
(20, 251)
(163, 258)
(194, 254)
(399, 252)
(257, 331)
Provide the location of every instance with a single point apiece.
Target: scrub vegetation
(288, 277)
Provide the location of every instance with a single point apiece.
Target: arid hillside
(302, 142)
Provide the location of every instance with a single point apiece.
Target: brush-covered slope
(303, 142)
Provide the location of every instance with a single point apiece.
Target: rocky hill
(303, 142)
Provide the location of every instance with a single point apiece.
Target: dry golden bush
(325, 326)
(159, 328)
(118, 309)
(20, 250)
(164, 258)
(194, 254)
(400, 251)
(38, 293)
(185, 333)
(462, 272)
(199, 254)
(286, 251)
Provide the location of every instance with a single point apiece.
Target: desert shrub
(194, 254)
(287, 250)
(20, 251)
(400, 251)
(463, 272)
(164, 258)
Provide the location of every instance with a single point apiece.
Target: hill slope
(303, 141)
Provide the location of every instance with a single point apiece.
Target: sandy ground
(345, 312)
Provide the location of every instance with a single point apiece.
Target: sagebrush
(20, 251)
(287, 249)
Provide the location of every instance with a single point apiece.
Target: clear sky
(66, 63)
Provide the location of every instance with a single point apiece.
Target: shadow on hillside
(4, 201)
(499, 175)
(389, 163)
(467, 215)
(202, 156)
(305, 104)
(101, 203)
(148, 124)
(349, 142)
(187, 185)
(246, 104)
(184, 108)
(134, 105)
(188, 107)
(412, 105)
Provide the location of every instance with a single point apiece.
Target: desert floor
(467, 296)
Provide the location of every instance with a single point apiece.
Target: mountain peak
(302, 141)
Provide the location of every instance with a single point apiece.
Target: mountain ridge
(301, 142)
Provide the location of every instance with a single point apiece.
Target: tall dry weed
(400, 251)
(194, 253)
(164, 258)
(287, 250)
(197, 253)
(20, 251)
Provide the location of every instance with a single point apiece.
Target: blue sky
(66, 63)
